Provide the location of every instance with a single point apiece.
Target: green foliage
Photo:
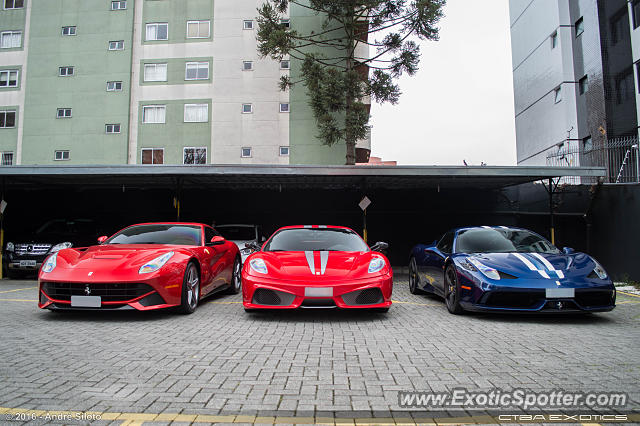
(337, 83)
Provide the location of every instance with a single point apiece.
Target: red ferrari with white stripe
(317, 267)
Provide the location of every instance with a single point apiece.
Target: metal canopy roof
(275, 176)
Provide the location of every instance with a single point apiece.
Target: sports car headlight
(486, 270)
(599, 270)
(258, 266)
(155, 264)
(60, 246)
(376, 264)
(10, 247)
(50, 263)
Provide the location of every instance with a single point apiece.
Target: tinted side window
(209, 233)
(445, 245)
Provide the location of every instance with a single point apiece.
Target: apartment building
(149, 82)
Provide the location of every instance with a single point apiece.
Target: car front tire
(452, 291)
(190, 289)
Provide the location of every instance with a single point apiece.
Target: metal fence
(618, 156)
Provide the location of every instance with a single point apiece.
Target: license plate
(318, 291)
(558, 293)
(86, 301)
(27, 263)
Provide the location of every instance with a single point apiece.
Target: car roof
(511, 228)
(314, 227)
(169, 223)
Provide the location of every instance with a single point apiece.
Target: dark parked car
(25, 254)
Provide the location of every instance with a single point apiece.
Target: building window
(112, 129)
(198, 29)
(7, 119)
(196, 71)
(284, 151)
(619, 25)
(7, 158)
(582, 85)
(194, 156)
(158, 31)
(63, 113)
(155, 72)
(247, 65)
(8, 78)
(65, 71)
(61, 155)
(116, 45)
(13, 4)
(587, 144)
(554, 40)
(247, 108)
(196, 113)
(285, 64)
(284, 107)
(114, 86)
(68, 31)
(624, 87)
(10, 39)
(118, 5)
(285, 23)
(246, 152)
(154, 114)
(557, 92)
(579, 27)
(153, 156)
(247, 24)
(635, 8)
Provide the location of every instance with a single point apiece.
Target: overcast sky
(460, 104)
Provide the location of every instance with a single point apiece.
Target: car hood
(538, 265)
(303, 265)
(111, 256)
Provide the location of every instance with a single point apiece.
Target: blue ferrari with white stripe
(499, 269)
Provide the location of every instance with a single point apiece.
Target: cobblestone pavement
(223, 361)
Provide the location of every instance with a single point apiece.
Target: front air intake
(368, 296)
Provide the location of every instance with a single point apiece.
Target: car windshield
(189, 235)
(237, 232)
(501, 240)
(315, 239)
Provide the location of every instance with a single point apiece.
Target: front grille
(109, 292)
(318, 303)
(368, 296)
(31, 249)
(514, 299)
(267, 297)
(593, 298)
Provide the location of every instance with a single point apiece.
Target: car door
(435, 258)
(214, 259)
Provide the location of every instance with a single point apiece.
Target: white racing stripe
(548, 264)
(324, 257)
(310, 261)
(530, 265)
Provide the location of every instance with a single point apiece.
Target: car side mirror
(102, 239)
(568, 250)
(217, 240)
(380, 246)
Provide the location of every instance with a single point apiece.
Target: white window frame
(115, 86)
(8, 73)
(287, 108)
(67, 68)
(149, 107)
(206, 154)
(120, 5)
(11, 34)
(579, 26)
(69, 31)
(113, 126)
(280, 151)
(557, 94)
(250, 152)
(4, 5)
(64, 112)
(247, 24)
(583, 85)
(2, 158)
(198, 66)
(244, 65)
(285, 22)
(15, 115)
(198, 23)
(250, 107)
(287, 67)
(186, 106)
(116, 45)
(152, 151)
(62, 153)
(157, 25)
(144, 71)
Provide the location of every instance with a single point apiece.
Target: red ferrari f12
(316, 267)
(144, 267)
